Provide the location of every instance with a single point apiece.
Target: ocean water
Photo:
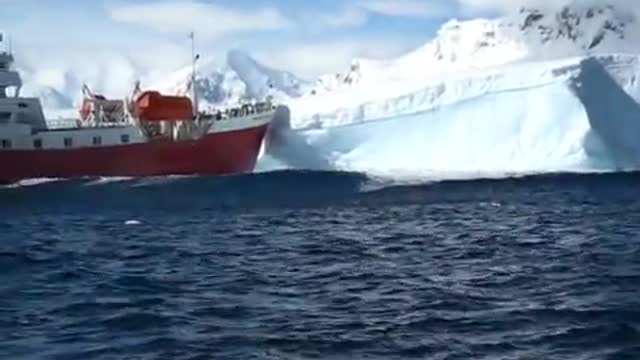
(321, 265)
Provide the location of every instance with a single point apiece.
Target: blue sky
(307, 37)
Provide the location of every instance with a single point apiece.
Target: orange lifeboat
(85, 109)
(153, 106)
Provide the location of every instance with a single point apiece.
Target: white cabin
(23, 125)
(23, 113)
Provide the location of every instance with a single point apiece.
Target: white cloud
(409, 8)
(506, 6)
(357, 12)
(314, 59)
(180, 16)
(351, 16)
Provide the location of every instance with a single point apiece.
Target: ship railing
(63, 123)
(116, 115)
(76, 123)
(243, 110)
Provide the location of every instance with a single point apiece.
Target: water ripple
(529, 268)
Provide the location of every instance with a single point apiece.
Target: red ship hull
(220, 153)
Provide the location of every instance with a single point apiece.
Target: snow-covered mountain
(240, 78)
(459, 48)
(467, 58)
(462, 48)
(531, 34)
(513, 94)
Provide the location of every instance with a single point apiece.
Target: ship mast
(194, 58)
(8, 78)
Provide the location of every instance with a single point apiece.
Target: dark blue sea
(321, 265)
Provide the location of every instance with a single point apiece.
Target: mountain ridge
(529, 34)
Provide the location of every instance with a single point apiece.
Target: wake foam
(30, 182)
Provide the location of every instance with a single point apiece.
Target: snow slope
(479, 52)
(239, 77)
(484, 96)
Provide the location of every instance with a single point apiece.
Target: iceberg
(529, 93)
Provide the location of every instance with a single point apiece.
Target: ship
(146, 134)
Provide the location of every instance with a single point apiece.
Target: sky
(307, 37)
(110, 44)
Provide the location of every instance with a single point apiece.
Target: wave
(288, 189)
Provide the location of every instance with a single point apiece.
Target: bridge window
(97, 140)
(68, 142)
(6, 144)
(4, 117)
(37, 143)
(124, 138)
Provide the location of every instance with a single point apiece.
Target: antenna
(5, 40)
